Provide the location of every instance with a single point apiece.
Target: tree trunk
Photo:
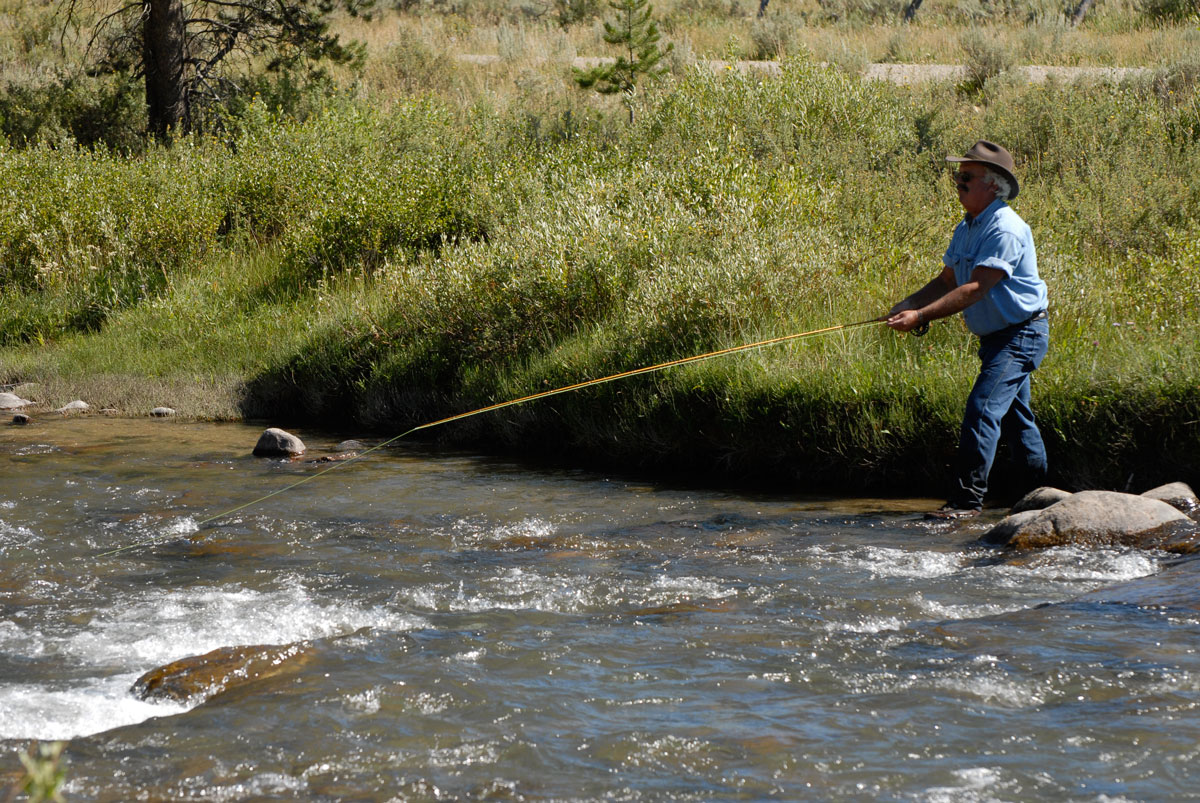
(1081, 11)
(162, 51)
(911, 10)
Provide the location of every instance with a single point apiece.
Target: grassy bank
(395, 258)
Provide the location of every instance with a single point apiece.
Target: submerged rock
(200, 677)
(20, 418)
(277, 443)
(11, 401)
(1099, 518)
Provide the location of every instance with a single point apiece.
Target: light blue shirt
(998, 238)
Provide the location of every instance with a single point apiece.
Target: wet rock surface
(200, 677)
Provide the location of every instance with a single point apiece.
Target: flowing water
(476, 629)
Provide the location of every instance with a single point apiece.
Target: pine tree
(638, 35)
(184, 47)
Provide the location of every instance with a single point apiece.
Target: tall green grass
(385, 266)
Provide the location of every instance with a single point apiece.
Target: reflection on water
(480, 630)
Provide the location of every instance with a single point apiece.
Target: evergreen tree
(183, 47)
(637, 34)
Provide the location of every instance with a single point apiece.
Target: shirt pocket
(958, 260)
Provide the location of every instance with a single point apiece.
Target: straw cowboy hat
(995, 157)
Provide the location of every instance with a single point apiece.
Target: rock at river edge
(11, 401)
(1099, 518)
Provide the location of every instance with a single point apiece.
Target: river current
(479, 629)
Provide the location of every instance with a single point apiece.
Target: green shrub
(90, 111)
(986, 56)
(1170, 11)
(85, 233)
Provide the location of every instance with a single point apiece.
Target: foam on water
(514, 589)
(469, 533)
(262, 786)
(889, 562)
(974, 784)
(163, 626)
(35, 712)
(517, 588)
(14, 535)
(690, 587)
(1071, 564)
(154, 629)
(994, 689)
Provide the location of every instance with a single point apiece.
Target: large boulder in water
(1099, 518)
(201, 676)
(277, 443)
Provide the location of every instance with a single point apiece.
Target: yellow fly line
(501, 405)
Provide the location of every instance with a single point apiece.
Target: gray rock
(277, 443)
(1178, 495)
(349, 446)
(162, 412)
(1010, 526)
(11, 401)
(1039, 499)
(77, 406)
(1099, 518)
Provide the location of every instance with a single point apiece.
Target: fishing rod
(532, 397)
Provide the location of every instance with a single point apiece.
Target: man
(990, 275)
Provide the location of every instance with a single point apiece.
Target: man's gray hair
(1003, 188)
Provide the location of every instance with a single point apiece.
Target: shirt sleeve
(1000, 250)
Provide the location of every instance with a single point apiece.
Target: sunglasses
(963, 178)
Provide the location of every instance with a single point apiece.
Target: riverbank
(379, 268)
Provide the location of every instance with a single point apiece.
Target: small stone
(162, 412)
(275, 442)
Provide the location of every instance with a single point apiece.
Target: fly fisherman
(990, 275)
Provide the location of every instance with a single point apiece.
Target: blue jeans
(999, 406)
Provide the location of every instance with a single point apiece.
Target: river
(480, 629)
